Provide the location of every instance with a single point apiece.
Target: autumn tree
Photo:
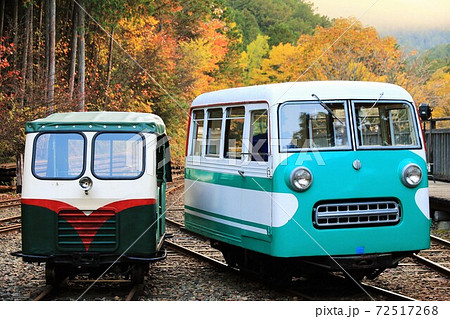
(344, 51)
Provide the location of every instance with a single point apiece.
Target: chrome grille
(356, 214)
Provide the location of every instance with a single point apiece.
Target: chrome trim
(366, 213)
(404, 178)
(291, 179)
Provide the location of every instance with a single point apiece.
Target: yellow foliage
(201, 56)
(439, 87)
(345, 51)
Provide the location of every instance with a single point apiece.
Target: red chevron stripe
(87, 226)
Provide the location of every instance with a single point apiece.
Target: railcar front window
(385, 125)
(310, 126)
(118, 155)
(59, 156)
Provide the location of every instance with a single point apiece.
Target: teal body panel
(334, 179)
(137, 233)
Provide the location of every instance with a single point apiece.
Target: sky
(389, 15)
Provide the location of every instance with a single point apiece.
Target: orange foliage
(201, 56)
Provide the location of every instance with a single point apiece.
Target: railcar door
(255, 172)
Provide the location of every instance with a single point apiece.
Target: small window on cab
(259, 143)
(234, 129)
(118, 155)
(214, 131)
(198, 119)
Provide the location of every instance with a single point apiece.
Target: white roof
(295, 91)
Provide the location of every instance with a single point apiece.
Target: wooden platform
(439, 195)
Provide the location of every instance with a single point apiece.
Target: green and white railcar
(94, 193)
(294, 176)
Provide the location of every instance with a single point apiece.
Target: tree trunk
(81, 57)
(16, 30)
(30, 85)
(73, 52)
(2, 18)
(26, 41)
(110, 57)
(51, 61)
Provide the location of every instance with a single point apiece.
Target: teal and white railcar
(295, 176)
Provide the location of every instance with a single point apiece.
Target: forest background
(157, 56)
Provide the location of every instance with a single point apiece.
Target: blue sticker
(360, 250)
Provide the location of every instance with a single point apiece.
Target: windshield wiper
(364, 119)
(327, 108)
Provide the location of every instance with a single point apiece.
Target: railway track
(198, 247)
(437, 257)
(51, 292)
(9, 224)
(9, 203)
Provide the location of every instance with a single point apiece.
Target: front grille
(77, 231)
(356, 214)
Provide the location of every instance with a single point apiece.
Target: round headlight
(300, 179)
(85, 184)
(411, 175)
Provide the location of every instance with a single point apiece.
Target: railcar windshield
(308, 125)
(385, 124)
(118, 155)
(59, 156)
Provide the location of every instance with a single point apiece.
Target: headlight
(411, 175)
(300, 179)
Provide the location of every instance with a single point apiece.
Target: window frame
(33, 160)
(144, 156)
(414, 121)
(346, 108)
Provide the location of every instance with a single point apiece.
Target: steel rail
(197, 255)
(9, 228)
(7, 201)
(174, 188)
(7, 219)
(440, 241)
(45, 293)
(393, 296)
(4, 205)
(134, 292)
(433, 265)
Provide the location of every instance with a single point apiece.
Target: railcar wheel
(357, 275)
(55, 274)
(278, 279)
(138, 273)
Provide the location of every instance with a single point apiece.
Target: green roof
(98, 121)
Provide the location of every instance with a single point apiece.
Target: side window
(234, 128)
(214, 129)
(59, 156)
(259, 148)
(118, 155)
(198, 117)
